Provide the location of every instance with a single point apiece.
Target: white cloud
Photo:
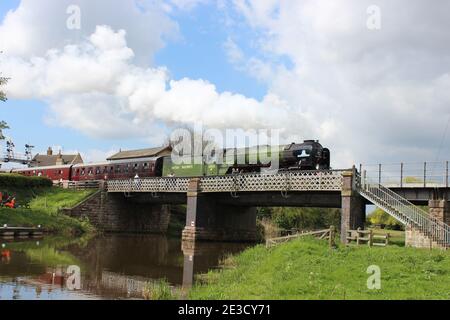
(95, 88)
(370, 95)
(36, 26)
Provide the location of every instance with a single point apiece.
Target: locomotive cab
(309, 155)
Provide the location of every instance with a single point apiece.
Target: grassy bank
(39, 205)
(308, 269)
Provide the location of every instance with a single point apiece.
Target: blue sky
(312, 69)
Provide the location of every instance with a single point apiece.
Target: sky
(369, 79)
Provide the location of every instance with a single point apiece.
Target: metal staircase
(405, 212)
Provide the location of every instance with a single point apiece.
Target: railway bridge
(223, 208)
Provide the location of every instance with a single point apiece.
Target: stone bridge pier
(440, 209)
(353, 206)
(208, 219)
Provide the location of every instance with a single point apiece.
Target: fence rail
(409, 175)
(368, 237)
(88, 184)
(321, 234)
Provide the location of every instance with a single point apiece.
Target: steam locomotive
(309, 155)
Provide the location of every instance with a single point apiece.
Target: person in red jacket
(11, 204)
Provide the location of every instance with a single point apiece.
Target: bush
(159, 290)
(380, 218)
(17, 180)
(306, 218)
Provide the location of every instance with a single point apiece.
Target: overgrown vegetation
(159, 290)
(274, 221)
(39, 204)
(309, 269)
(20, 181)
(383, 220)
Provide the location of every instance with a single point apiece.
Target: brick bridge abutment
(113, 212)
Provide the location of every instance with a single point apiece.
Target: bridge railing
(149, 185)
(330, 180)
(284, 181)
(408, 175)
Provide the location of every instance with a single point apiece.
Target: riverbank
(39, 204)
(309, 269)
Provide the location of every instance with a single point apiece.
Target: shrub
(381, 218)
(17, 180)
(159, 290)
(305, 218)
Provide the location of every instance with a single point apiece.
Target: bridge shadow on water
(111, 266)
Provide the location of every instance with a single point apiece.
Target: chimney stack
(49, 151)
(59, 159)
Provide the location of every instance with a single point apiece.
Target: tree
(3, 124)
(380, 218)
(3, 81)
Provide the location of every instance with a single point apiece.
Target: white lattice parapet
(149, 185)
(286, 181)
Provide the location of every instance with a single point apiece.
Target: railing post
(446, 174)
(401, 175)
(370, 238)
(379, 173)
(363, 179)
(424, 174)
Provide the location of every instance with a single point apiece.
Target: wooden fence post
(357, 236)
(332, 235)
(387, 239)
(370, 237)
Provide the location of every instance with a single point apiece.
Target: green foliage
(309, 269)
(3, 126)
(3, 81)
(159, 290)
(20, 181)
(381, 218)
(305, 218)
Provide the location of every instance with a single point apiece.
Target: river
(104, 267)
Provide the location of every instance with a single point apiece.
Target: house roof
(141, 153)
(43, 160)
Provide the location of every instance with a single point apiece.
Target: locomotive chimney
(49, 151)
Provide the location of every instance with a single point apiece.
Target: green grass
(309, 269)
(40, 206)
(159, 290)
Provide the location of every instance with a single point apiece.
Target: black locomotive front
(309, 155)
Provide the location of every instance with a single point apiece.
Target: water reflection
(112, 266)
